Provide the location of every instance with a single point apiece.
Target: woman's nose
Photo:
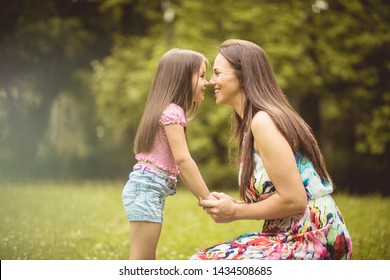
(211, 82)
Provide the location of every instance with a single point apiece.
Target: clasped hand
(220, 207)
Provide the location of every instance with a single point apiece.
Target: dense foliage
(75, 74)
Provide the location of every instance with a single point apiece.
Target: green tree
(45, 53)
(33, 73)
(84, 68)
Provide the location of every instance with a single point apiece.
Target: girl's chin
(198, 99)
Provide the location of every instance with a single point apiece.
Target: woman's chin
(218, 101)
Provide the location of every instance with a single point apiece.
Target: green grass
(85, 220)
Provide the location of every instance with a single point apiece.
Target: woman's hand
(221, 210)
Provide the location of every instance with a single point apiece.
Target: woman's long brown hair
(172, 83)
(262, 93)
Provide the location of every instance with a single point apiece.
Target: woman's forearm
(273, 207)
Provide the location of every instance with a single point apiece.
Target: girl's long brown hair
(262, 93)
(172, 83)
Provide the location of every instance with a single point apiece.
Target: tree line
(75, 74)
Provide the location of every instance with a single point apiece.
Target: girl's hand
(210, 197)
(221, 210)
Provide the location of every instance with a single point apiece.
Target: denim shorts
(144, 194)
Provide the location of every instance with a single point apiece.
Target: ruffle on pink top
(161, 154)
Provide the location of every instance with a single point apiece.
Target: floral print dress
(317, 233)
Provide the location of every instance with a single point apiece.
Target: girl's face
(199, 83)
(225, 82)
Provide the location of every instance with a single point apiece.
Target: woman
(283, 178)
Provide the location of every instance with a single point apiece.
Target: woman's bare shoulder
(261, 121)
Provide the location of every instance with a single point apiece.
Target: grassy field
(85, 220)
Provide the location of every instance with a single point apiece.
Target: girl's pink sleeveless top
(161, 154)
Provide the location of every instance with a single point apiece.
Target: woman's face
(199, 83)
(225, 82)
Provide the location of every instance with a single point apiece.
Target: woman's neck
(238, 106)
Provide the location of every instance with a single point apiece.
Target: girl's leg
(143, 240)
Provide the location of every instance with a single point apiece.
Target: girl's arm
(279, 161)
(189, 171)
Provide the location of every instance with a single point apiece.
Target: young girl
(160, 147)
